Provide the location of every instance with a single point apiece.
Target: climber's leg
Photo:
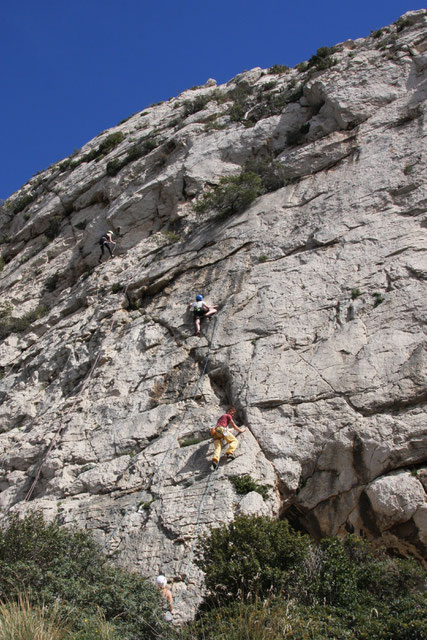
(232, 442)
(217, 450)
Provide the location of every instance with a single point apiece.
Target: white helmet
(161, 581)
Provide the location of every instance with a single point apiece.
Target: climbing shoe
(230, 458)
(214, 465)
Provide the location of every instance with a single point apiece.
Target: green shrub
(176, 122)
(104, 149)
(64, 165)
(245, 484)
(237, 111)
(271, 172)
(54, 227)
(278, 618)
(272, 103)
(114, 166)
(10, 325)
(250, 557)
(302, 66)
(378, 298)
(110, 143)
(117, 287)
(57, 564)
(270, 619)
(402, 23)
(232, 195)
(240, 96)
(193, 106)
(278, 68)
(171, 236)
(95, 627)
(322, 59)
(22, 202)
(2, 263)
(136, 152)
(268, 86)
(377, 34)
(125, 119)
(5, 310)
(335, 590)
(51, 282)
(355, 293)
(149, 145)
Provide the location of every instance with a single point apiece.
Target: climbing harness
(169, 447)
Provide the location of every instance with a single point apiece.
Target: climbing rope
(196, 533)
(170, 446)
(171, 440)
(61, 424)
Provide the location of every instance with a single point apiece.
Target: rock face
(107, 397)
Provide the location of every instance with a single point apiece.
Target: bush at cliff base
(336, 589)
(54, 564)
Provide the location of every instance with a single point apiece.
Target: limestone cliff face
(319, 341)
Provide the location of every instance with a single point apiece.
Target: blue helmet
(199, 297)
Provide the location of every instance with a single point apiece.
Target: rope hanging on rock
(171, 440)
(61, 424)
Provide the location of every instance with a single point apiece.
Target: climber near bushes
(106, 241)
(162, 585)
(201, 310)
(221, 432)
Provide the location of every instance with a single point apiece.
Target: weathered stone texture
(320, 339)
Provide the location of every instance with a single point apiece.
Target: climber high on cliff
(201, 310)
(106, 241)
(222, 432)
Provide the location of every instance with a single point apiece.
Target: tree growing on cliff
(232, 195)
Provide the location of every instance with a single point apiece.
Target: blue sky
(70, 69)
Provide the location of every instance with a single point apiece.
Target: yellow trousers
(232, 442)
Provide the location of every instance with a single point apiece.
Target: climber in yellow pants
(221, 432)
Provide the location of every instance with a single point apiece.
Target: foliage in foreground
(54, 564)
(20, 620)
(281, 619)
(23, 620)
(261, 574)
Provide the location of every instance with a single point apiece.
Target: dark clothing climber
(106, 241)
(201, 310)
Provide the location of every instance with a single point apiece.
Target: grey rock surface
(106, 396)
